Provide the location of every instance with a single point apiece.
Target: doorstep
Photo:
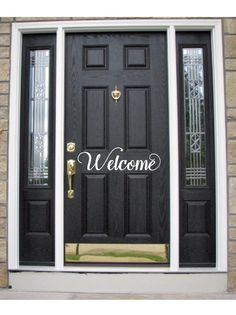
(9, 294)
(118, 283)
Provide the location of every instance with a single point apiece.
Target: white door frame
(171, 26)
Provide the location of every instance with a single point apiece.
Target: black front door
(116, 132)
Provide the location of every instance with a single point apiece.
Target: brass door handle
(70, 173)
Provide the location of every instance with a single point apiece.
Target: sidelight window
(38, 117)
(37, 150)
(194, 108)
(197, 162)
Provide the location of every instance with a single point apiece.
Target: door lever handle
(70, 173)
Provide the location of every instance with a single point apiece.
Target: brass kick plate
(70, 147)
(117, 253)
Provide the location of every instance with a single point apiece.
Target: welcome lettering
(117, 164)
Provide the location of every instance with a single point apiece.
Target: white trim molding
(220, 148)
(59, 151)
(14, 150)
(173, 149)
(171, 26)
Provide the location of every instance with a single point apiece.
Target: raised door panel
(95, 117)
(137, 117)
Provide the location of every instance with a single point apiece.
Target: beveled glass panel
(38, 117)
(116, 253)
(194, 113)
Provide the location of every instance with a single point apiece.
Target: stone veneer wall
(5, 30)
(229, 27)
(229, 30)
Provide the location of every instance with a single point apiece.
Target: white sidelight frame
(171, 26)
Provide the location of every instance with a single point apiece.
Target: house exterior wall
(230, 88)
(229, 33)
(5, 38)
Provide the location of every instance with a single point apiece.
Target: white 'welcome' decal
(117, 164)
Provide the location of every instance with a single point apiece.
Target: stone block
(232, 195)
(4, 52)
(231, 169)
(232, 247)
(7, 19)
(4, 88)
(3, 275)
(3, 192)
(4, 40)
(4, 112)
(232, 234)
(229, 26)
(3, 211)
(231, 129)
(4, 124)
(3, 136)
(232, 281)
(231, 114)
(232, 220)
(4, 69)
(3, 100)
(3, 227)
(3, 167)
(53, 18)
(230, 88)
(3, 147)
(230, 46)
(230, 64)
(232, 261)
(3, 250)
(231, 148)
(5, 28)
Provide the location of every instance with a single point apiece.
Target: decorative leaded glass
(38, 117)
(194, 113)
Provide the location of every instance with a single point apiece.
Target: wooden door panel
(95, 205)
(95, 118)
(138, 204)
(137, 105)
(117, 206)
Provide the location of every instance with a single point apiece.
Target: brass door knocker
(116, 94)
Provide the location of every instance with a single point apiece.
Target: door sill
(118, 269)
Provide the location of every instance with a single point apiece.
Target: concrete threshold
(100, 283)
(10, 294)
